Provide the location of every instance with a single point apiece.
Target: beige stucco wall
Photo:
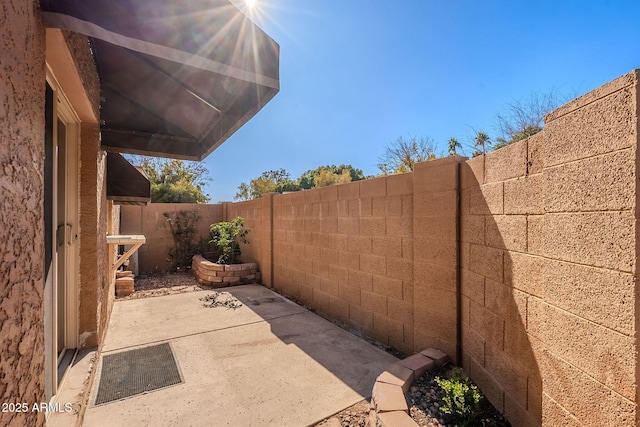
(25, 45)
(70, 58)
(92, 235)
(22, 77)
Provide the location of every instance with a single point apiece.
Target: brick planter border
(221, 275)
(125, 283)
(388, 404)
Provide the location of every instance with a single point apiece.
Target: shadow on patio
(269, 362)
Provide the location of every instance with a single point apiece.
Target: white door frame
(68, 236)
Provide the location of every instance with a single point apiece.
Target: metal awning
(125, 184)
(177, 78)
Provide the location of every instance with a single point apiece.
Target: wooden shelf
(135, 241)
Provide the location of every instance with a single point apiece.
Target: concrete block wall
(540, 236)
(548, 232)
(347, 251)
(590, 233)
(150, 222)
(257, 217)
(435, 254)
(502, 205)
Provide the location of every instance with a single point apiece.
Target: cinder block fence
(521, 264)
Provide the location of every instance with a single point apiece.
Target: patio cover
(126, 185)
(177, 77)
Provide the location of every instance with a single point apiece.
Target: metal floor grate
(137, 371)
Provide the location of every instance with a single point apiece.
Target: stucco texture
(22, 76)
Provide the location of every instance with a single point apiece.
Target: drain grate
(137, 371)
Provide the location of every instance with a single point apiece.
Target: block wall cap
(438, 357)
(397, 374)
(418, 364)
(388, 404)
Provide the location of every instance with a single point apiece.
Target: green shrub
(226, 238)
(461, 398)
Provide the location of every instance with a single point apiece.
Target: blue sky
(357, 74)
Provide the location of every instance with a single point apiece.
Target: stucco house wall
(54, 206)
(22, 220)
(25, 46)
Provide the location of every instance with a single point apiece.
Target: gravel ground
(424, 399)
(154, 285)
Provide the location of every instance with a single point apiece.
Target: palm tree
(482, 141)
(453, 145)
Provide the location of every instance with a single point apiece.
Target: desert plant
(461, 398)
(226, 237)
(183, 228)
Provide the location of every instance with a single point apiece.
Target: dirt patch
(221, 299)
(154, 285)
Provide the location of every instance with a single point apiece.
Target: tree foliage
(226, 237)
(401, 155)
(482, 143)
(279, 181)
(326, 178)
(323, 176)
(453, 145)
(175, 181)
(272, 181)
(525, 117)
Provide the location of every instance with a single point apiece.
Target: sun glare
(250, 3)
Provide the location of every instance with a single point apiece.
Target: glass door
(61, 231)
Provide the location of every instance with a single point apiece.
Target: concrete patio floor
(270, 362)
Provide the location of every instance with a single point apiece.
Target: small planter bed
(226, 238)
(423, 390)
(219, 275)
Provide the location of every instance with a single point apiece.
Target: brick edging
(388, 404)
(221, 275)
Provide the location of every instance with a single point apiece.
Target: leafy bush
(461, 398)
(226, 237)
